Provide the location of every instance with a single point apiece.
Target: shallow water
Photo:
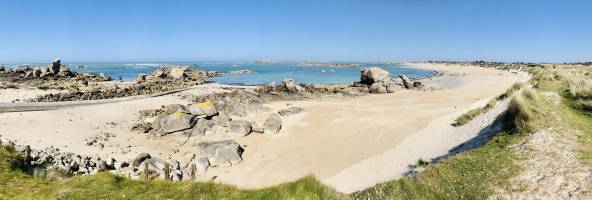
(264, 73)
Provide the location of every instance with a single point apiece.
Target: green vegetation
(467, 117)
(15, 184)
(473, 174)
(471, 114)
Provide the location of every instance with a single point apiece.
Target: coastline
(328, 139)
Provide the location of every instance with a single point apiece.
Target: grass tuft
(467, 117)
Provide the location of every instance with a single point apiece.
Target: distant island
(327, 64)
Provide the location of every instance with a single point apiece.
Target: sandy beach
(348, 143)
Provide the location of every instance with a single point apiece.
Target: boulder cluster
(289, 90)
(195, 122)
(199, 120)
(42, 161)
(380, 81)
(161, 80)
(180, 73)
(55, 70)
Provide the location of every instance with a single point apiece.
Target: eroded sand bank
(348, 143)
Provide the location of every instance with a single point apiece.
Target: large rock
(203, 109)
(139, 159)
(201, 166)
(178, 72)
(417, 84)
(240, 127)
(64, 71)
(156, 122)
(392, 87)
(221, 120)
(272, 124)
(102, 165)
(290, 86)
(203, 127)
(374, 75)
(37, 72)
(378, 88)
(406, 82)
(44, 72)
(54, 68)
(222, 153)
(290, 111)
(177, 121)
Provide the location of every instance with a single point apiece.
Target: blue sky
(85, 30)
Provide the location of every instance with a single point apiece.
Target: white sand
(18, 95)
(347, 143)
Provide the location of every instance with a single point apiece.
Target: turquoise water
(264, 73)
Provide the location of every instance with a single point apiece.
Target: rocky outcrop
(380, 81)
(272, 124)
(374, 75)
(55, 70)
(178, 72)
(288, 85)
(239, 72)
(55, 66)
(70, 163)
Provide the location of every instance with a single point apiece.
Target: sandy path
(327, 140)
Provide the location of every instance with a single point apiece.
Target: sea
(263, 73)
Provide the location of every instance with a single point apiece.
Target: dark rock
(374, 75)
(139, 159)
(54, 68)
(417, 84)
(406, 82)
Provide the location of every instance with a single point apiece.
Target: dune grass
(471, 114)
